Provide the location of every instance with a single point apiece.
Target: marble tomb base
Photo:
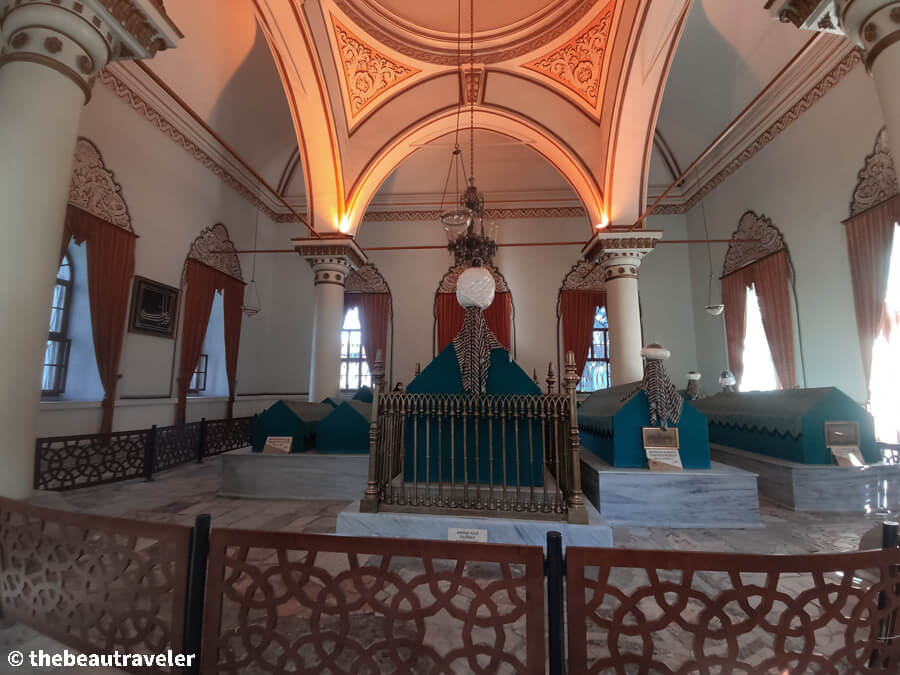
(818, 487)
(719, 497)
(494, 530)
(305, 475)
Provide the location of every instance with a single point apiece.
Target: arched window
(56, 354)
(596, 369)
(354, 367)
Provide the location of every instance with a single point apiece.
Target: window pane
(59, 296)
(365, 377)
(65, 270)
(51, 354)
(355, 346)
(345, 343)
(351, 319)
(600, 318)
(759, 370)
(56, 320)
(353, 375)
(344, 375)
(47, 378)
(595, 376)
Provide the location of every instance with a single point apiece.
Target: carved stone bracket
(366, 279)
(877, 180)
(214, 248)
(448, 281)
(584, 276)
(767, 240)
(94, 188)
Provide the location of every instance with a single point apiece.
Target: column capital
(620, 253)
(77, 38)
(331, 258)
(872, 25)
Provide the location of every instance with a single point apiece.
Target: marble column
(874, 27)
(619, 255)
(332, 259)
(50, 57)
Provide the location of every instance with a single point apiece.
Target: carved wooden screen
(280, 601)
(687, 612)
(95, 583)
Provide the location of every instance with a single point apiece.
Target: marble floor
(181, 494)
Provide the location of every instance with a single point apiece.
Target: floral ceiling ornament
(584, 276)
(877, 179)
(367, 72)
(578, 64)
(366, 279)
(94, 188)
(767, 239)
(214, 248)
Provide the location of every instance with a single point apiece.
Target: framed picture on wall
(154, 308)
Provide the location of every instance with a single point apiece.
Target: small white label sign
(278, 444)
(466, 534)
(848, 455)
(663, 459)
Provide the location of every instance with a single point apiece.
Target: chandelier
(465, 225)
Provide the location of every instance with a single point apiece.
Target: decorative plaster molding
(877, 180)
(214, 248)
(368, 74)
(366, 279)
(767, 240)
(578, 64)
(584, 276)
(494, 214)
(471, 84)
(448, 281)
(344, 249)
(94, 188)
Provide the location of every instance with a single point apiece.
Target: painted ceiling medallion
(367, 72)
(578, 64)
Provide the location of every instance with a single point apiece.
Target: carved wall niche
(877, 180)
(767, 239)
(94, 188)
(366, 279)
(214, 248)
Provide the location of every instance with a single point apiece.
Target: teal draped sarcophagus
(787, 424)
(297, 419)
(610, 423)
(346, 428)
(503, 446)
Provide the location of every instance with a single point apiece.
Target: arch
(368, 279)
(541, 140)
(447, 285)
(767, 239)
(213, 247)
(877, 179)
(94, 188)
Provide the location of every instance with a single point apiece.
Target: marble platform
(719, 497)
(596, 533)
(818, 487)
(304, 475)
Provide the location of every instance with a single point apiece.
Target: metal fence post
(201, 441)
(196, 589)
(555, 569)
(150, 453)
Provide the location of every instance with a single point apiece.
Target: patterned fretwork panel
(226, 435)
(284, 602)
(78, 461)
(677, 612)
(176, 445)
(95, 583)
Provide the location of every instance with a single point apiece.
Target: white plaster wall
(803, 181)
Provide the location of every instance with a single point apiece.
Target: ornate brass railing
(512, 455)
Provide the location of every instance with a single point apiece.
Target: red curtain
(450, 316)
(734, 296)
(202, 284)
(232, 301)
(870, 236)
(577, 310)
(771, 276)
(499, 319)
(110, 263)
(374, 315)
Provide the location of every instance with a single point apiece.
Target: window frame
(344, 374)
(591, 357)
(60, 337)
(202, 368)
